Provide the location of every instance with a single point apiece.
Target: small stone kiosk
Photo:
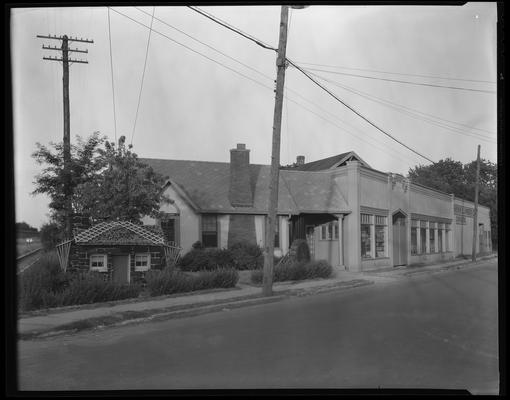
(121, 250)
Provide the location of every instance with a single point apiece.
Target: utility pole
(475, 215)
(67, 120)
(267, 280)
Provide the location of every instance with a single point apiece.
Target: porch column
(284, 234)
(340, 218)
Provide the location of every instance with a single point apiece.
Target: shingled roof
(206, 186)
(330, 162)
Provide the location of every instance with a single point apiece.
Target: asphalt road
(431, 331)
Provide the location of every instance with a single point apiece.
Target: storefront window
(414, 237)
(380, 236)
(366, 237)
(432, 241)
(423, 237)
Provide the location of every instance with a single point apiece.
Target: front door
(121, 269)
(399, 239)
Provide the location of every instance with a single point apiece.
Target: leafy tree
(126, 188)
(23, 226)
(83, 166)
(454, 177)
(51, 235)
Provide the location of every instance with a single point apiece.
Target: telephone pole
(267, 280)
(475, 214)
(67, 120)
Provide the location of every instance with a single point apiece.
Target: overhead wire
(397, 73)
(208, 46)
(413, 113)
(404, 82)
(111, 68)
(232, 28)
(143, 75)
(355, 111)
(253, 80)
(236, 30)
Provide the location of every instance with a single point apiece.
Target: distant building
(350, 214)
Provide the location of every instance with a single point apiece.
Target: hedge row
(240, 256)
(169, 281)
(45, 285)
(296, 271)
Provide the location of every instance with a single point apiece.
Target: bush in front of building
(240, 256)
(198, 259)
(296, 271)
(170, 281)
(45, 285)
(247, 256)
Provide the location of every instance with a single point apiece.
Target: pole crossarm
(70, 38)
(60, 49)
(70, 60)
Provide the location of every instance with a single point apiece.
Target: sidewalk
(75, 318)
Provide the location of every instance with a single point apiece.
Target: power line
(355, 111)
(209, 46)
(241, 74)
(232, 28)
(193, 50)
(143, 74)
(400, 81)
(111, 68)
(413, 113)
(398, 73)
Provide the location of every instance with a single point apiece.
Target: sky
(193, 108)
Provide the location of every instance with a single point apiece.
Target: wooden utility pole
(267, 280)
(475, 214)
(67, 119)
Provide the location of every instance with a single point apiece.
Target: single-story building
(121, 250)
(351, 214)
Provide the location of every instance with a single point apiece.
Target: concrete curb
(134, 317)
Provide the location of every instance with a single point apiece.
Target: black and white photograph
(276, 197)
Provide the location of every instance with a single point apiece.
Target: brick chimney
(240, 188)
(300, 160)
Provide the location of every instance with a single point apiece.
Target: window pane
(209, 239)
(423, 240)
(209, 223)
(330, 230)
(324, 235)
(432, 241)
(365, 241)
(414, 241)
(380, 241)
(440, 240)
(335, 225)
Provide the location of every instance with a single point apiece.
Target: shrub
(296, 271)
(206, 260)
(45, 285)
(37, 285)
(172, 281)
(246, 255)
(92, 288)
(300, 250)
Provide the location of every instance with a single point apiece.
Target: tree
(453, 177)
(83, 167)
(126, 188)
(51, 235)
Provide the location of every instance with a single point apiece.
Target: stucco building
(351, 214)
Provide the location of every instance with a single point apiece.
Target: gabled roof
(120, 232)
(206, 187)
(331, 162)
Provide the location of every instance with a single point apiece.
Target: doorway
(121, 269)
(399, 239)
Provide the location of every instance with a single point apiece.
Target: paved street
(429, 331)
